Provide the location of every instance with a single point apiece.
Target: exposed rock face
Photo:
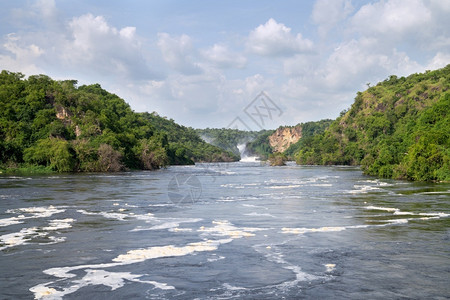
(283, 137)
(62, 113)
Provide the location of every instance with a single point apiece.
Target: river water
(224, 231)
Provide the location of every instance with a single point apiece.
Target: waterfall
(244, 156)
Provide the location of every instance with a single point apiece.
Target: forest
(399, 129)
(48, 125)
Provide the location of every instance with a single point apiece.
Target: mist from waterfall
(243, 152)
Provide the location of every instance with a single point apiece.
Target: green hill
(227, 138)
(399, 128)
(187, 139)
(55, 125)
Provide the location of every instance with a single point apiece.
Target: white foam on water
(389, 209)
(177, 229)
(227, 172)
(377, 182)
(225, 228)
(277, 257)
(438, 214)
(32, 212)
(308, 230)
(398, 221)
(139, 255)
(227, 200)
(233, 185)
(363, 189)
(54, 240)
(26, 234)
(18, 238)
(255, 206)
(173, 223)
(255, 214)
(41, 291)
(330, 267)
(11, 221)
(114, 280)
(59, 224)
(437, 192)
(108, 215)
(212, 259)
(147, 217)
(161, 204)
(283, 186)
(232, 288)
(250, 159)
(396, 211)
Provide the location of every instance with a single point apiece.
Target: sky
(241, 64)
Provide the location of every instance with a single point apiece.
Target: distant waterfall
(244, 156)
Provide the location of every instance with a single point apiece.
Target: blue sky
(203, 62)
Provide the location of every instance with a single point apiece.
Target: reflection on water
(256, 232)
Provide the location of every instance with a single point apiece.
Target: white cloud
(22, 56)
(210, 85)
(440, 60)
(221, 57)
(275, 39)
(327, 13)
(300, 65)
(418, 24)
(104, 48)
(355, 61)
(393, 16)
(47, 8)
(178, 52)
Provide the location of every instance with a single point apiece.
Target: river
(223, 231)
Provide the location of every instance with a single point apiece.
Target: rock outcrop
(283, 137)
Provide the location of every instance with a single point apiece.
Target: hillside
(189, 139)
(58, 126)
(286, 139)
(399, 128)
(227, 138)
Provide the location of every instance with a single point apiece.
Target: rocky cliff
(283, 137)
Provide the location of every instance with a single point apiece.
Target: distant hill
(189, 139)
(285, 139)
(227, 138)
(399, 128)
(55, 125)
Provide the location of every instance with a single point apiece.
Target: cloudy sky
(203, 62)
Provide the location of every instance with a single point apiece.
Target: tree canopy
(63, 127)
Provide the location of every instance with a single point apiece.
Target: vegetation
(187, 140)
(261, 146)
(309, 129)
(277, 159)
(227, 138)
(55, 125)
(399, 128)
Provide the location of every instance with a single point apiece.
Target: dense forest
(187, 138)
(399, 128)
(55, 125)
